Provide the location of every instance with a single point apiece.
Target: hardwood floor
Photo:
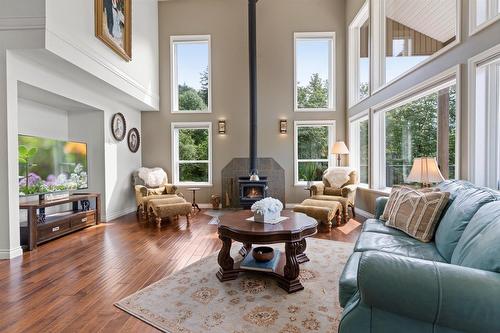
(70, 284)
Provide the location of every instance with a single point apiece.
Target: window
(190, 73)
(359, 59)
(359, 147)
(314, 71)
(192, 153)
(313, 143)
(423, 123)
(410, 32)
(485, 133)
(483, 13)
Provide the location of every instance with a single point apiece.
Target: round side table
(193, 203)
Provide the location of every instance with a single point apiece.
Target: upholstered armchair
(144, 193)
(345, 194)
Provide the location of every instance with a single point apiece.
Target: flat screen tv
(48, 165)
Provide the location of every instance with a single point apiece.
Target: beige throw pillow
(417, 213)
(394, 195)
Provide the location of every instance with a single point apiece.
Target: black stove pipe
(252, 47)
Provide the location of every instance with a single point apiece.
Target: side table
(193, 203)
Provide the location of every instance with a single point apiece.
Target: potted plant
(310, 174)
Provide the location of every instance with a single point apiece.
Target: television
(48, 165)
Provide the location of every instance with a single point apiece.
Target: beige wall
(226, 22)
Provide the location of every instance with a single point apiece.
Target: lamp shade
(425, 170)
(339, 147)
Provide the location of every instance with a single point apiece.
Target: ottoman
(144, 207)
(168, 208)
(323, 211)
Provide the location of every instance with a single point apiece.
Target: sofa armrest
(318, 188)
(380, 203)
(447, 295)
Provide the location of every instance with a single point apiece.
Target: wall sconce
(283, 126)
(222, 127)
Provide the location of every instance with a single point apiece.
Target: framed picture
(118, 126)
(134, 140)
(113, 25)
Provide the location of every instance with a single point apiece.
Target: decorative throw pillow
(394, 195)
(417, 213)
(337, 176)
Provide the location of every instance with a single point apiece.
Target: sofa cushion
(374, 225)
(479, 246)
(454, 187)
(417, 213)
(348, 283)
(467, 202)
(402, 245)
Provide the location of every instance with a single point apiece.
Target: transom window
(190, 73)
(483, 13)
(359, 147)
(192, 153)
(314, 71)
(359, 62)
(313, 143)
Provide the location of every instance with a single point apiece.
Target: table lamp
(425, 171)
(339, 148)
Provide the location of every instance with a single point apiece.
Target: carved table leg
(245, 249)
(291, 282)
(301, 256)
(226, 263)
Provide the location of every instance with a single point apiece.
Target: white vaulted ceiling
(434, 18)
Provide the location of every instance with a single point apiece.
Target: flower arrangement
(77, 179)
(268, 209)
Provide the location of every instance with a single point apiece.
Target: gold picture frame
(113, 25)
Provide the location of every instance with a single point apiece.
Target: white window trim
(485, 165)
(378, 46)
(175, 152)
(332, 100)
(473, 27)
(377, 135)
(174, 84)
(355, 158)
(331, 139)
(353, 58)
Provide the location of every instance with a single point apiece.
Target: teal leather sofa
(394, 283)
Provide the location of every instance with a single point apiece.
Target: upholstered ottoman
(144, 206)
(343, 201)
(322, 210)
(168, 208)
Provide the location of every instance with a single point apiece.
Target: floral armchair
(345, 194)
(143, 193)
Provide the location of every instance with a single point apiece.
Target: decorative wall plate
(134, 140)
(118, 126)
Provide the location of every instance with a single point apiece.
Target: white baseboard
(116, 214)
(11, 253)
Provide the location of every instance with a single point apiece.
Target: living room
(250, 166)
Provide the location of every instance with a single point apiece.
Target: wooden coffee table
(292, 231)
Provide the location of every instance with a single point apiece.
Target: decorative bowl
(263, 253)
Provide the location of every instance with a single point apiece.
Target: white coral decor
(267, 209)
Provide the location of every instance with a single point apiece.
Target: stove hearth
(252, 191)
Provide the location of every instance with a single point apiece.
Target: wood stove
(252, 191)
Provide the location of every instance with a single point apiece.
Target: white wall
(41, 120)
(70, 35)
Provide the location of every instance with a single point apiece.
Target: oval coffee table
(292, 231)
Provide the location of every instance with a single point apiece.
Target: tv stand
(42, 227)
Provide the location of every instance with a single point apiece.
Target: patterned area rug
(193, 299)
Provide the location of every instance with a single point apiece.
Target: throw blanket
(152, 177)
(337, 176)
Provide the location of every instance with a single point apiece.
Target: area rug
(194, 301)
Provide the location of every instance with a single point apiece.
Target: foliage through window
(359, 144)
(313, 142)
(190, 73)
(411, 131)
(359, 56)
(314, 67)
(192, 157)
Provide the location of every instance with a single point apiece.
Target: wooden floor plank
(71, 284)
